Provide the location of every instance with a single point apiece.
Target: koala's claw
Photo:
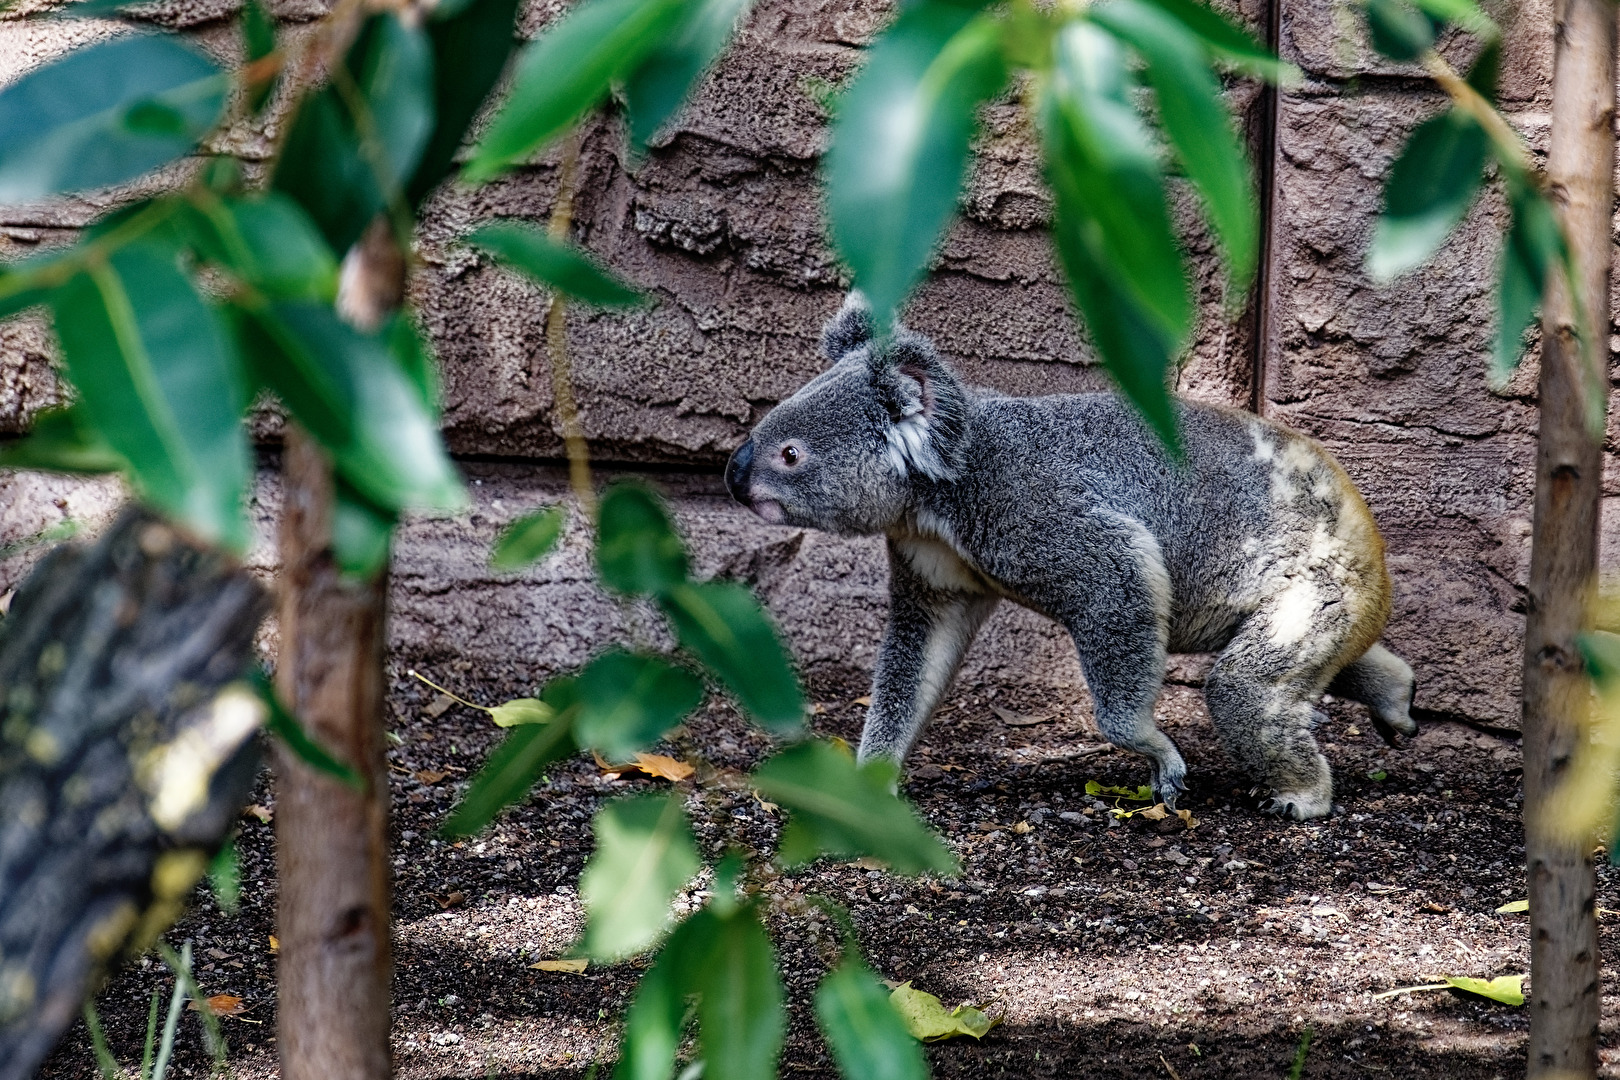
(1273, 805)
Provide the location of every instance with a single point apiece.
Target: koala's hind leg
(1261, 695)
(1383, 682)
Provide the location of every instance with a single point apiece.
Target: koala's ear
(928, 407)
(848, 330)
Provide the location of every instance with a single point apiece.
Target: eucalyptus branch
(562, 382)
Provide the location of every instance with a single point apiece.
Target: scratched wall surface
(722, 225)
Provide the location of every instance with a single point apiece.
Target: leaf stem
(562, 382)
(1509, 145)
(419, 677)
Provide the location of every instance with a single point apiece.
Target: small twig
(1169, 1068)
(1473, 103)
(562, 381)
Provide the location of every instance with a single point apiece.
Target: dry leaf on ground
(659, 765)
(1513, 906)
(256, 811)
(927, 1019)
(275, 944)
(573, 965)
(439, 705)
(1012, 719)
(429, 776)
(457, 897)
(220, 1005)
(866, 700)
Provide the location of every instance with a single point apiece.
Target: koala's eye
(791, 455)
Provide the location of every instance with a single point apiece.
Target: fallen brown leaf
(429, 776)
(573, 965)
(864, 700)
(457, 897)
(263, 813)
(439, 706)
(1156, 812)
(1187, 818)
(275, 944)
(1022, 827)
(220, 1005)
(659, 765)
(1012, 719)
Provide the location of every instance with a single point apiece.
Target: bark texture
(332, 917)
(126, 750)
(1565, 999)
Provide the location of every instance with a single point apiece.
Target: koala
(1257, 546)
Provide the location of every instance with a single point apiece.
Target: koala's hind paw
(1298, 805)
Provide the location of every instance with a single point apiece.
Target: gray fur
(1259, 548)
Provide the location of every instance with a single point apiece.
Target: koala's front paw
(1298, 805)
(1168, 786)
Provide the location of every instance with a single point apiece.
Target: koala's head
(848, 451)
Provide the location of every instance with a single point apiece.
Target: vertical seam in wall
(1266, 153)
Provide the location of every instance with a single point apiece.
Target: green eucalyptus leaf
(1199, 126)
(628, 701)
(268, 242)
(104, 114)
(567, 71)
(645, 854)
(655, 1019)
(723, 625)
(1486, 71)
(362, 532)
(225, 878)
(562, 266)
(63, 440)
(355, 143)
(1428, 193)
(740, 1017)
(259, 38)
(520, 711)
(637, 549)
(280, 722)
(347, 389)
(847, 810)
(472, 40)
(1105, 151)
(160, 381)
(866, 1034)
(899, 148)
(414, 356)
(528, 539)
(1600, 649)
(1465, 13)
(1534, 245)
(656, 89)
(1399, 30)
(1231, 43)
(517, 764)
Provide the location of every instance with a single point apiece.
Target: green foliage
(644, 855)
(900, 143)
(62, 440)
(362, 532)
(565, 72)
(473, 39)
(266, 242)
(1533, 247)
(868, 1037)
(517, 764)
(723, 625)
(1430, 189)
(657, 1016)
(654, 91)
(1399, 30)
(847, 810)
(225, 878)
(629, 700)
(528, 539)
(638, 551)
(105, 114)
(551, 262)
(280, 722)
(740, 1018)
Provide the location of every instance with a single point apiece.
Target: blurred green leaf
(1106, 153)
(1600, 650)
(655, 90)
(847, 810)
(724, 626)
(158, 377)
(653, 1024)
(1399, 30)
(523, 710)
(628, 701)
(528, 539)
(900, 144)
(1199, 126)
(414, 356)
(259, 39)
(1429, 191)
(644, 855)
(349, 392)
(361, 532)
(518, 763)
(1097, 192)
(280, 722)
(62, 440)
(1230, 42)
(1465, 13)
(637, 549)
(471, 44)
(355, 143)
(565, 72)
(267, 241)
(1486, 71)
(867, 1036)
(1533, 246)
(104, 114)
(225, 877)
(551, 262)
(740, 1017)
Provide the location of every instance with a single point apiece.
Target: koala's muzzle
(738, 471)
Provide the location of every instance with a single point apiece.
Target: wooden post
(1564, 543)
(332, 840)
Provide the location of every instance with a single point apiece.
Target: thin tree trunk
(332, 840)
(1564, 544)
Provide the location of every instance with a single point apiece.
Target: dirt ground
(1114, 949)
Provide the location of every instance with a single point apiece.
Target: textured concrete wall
(722, 225)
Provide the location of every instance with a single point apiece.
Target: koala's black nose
(737, 470)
